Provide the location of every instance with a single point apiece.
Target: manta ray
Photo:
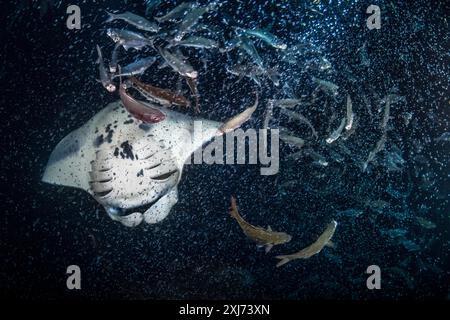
(126, 164)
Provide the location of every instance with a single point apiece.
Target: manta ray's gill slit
(153, 166)
(97, 176)
(103, 194)
(149, 156)
(165, 176)
(103, 181)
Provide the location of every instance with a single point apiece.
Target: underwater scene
(222, 150)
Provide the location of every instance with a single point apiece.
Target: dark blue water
(49, 89)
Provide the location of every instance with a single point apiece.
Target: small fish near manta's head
(192, 74)
(110, 87)
(113, 35)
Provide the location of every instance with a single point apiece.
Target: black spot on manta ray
(144, 126)
(130, 121)
(127, 151)
(98, 141)
(116, 152)
(140, 173)
(109, 136)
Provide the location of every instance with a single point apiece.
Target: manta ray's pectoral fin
(130, 220)
(161, 208)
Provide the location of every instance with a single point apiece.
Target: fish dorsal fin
(330, 244)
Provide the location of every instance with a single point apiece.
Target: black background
(48, 89)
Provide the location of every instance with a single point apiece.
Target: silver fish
(336, 133)
(387, 108)
(177, 64)
(230, 45)
(378, 147)
(327, 86)
(114, 59)
(274, 76)
(105, 77)
(350, 114)
(318, 158)
(367, 104)
(301, 118)
(236, 121)
(265, 36)
(315, 248)
(128, 39)
(247, 45)
(191, 18)
(268, 114)
(177, 12)
(196, 42)
(150, 6)
(208, 29)
(253, 72)
(136, 67)
(293, 140)
(288, 103)
(133, 19)
(389, 100)
(324, 64)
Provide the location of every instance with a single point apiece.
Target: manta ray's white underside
(125, 164)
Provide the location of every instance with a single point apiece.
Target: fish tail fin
(197, 104)
(111, 17)
(268, 247)
(255, 105)
(330, 244)
(99, 53)
(233, 208)
(284, 260)
(120, 75)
